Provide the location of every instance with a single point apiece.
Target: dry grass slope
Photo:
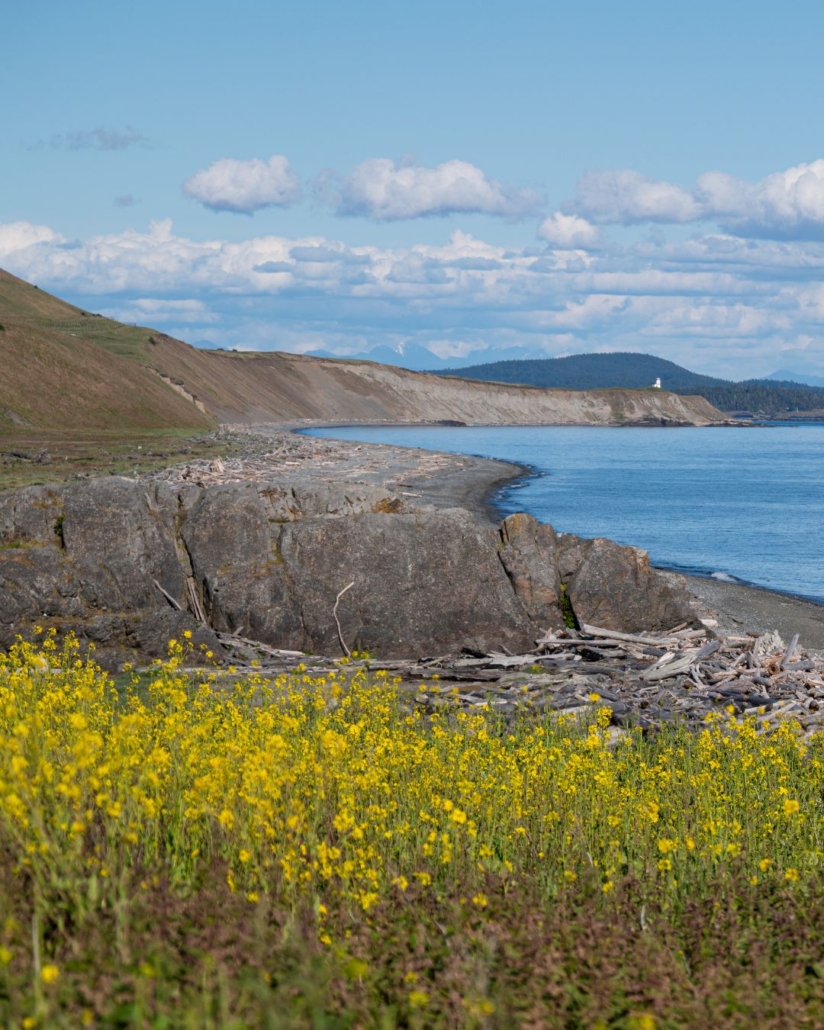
(69, 369)
(273, 387)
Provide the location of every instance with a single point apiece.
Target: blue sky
(474, 178)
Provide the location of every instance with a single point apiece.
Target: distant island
(764, 398)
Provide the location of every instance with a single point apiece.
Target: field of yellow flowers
(191, 849)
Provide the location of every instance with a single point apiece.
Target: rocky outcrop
(86, 558)
(103, 557)
(562, 578)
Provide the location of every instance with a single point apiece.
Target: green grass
(100, 453)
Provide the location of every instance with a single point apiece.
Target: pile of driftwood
(260, 456)
(311, 457)
(644, 679)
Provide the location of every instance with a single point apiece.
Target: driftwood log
(645, 680)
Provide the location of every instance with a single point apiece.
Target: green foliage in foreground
(318, 853)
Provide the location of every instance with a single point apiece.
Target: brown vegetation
(65, 369)
(271, 387)
(69, 369)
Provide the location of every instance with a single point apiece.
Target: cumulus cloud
(273, 267)
(386, 191)
(476, 264)
(720, 303)
(626, 197)
(17, 237)
(785, 205)
(323, 253)
(244, 187)
(568, 232)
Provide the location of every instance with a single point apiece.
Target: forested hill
(591, 372)
(765, 397)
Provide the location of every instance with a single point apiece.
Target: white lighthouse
(657, 384)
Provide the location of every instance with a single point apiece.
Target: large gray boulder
(529, 554)
(615, 588)
(231, 543)
(127, 565)
(119, 536)
(423, 584)
(560, 578)
(30, 516)
(86, 558)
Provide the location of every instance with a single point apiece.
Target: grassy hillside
(631, 370)
(67, 370)
(72, 369)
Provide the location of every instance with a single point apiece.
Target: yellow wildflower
(49, 973)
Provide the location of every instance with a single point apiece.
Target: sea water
(740, 504)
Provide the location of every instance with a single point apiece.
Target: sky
(480, 179)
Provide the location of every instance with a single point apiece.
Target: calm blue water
(744, 503)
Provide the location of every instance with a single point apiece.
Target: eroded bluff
(102, 558)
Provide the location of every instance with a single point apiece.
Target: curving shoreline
(739, 607)
(471, 482)
(735, 607)
(263, 540)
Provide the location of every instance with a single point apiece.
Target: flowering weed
(335, 824)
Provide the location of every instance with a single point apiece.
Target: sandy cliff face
(276, 387)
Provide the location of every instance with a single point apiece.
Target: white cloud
(718, 303)
(244, 187)
(785, 205)
(568, 232)
(17, 237)
(625, 197)
(385, 191)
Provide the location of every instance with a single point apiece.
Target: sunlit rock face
(127, 565)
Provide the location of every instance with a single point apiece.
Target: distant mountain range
(583, 367)
(784, 375)
(770, 398)
(417, 358)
